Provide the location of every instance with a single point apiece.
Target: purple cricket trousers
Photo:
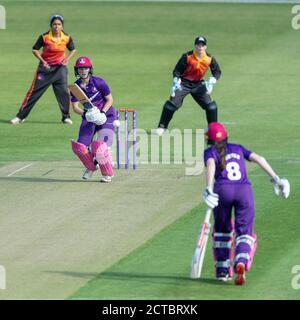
(240, 198)
(105, 132)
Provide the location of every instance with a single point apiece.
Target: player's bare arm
(76, 108)
(109, 101)
(210, 173)
(67, 59)
(37, 54)
(281, 186)
(209, 197)
(262, 162)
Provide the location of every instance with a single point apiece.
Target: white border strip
(20, 169)
(178, 1)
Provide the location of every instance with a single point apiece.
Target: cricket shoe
(160, 131)
(87, 174)
(16, 120)
(223, 276)
(106, 179)
(241, 274)
(67, 121)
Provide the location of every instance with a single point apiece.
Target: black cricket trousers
(57, 76)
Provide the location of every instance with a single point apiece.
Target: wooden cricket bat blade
(199, 252)
(82, 98)
(195, 271)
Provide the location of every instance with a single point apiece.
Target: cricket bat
(80, 96)
(202, 238)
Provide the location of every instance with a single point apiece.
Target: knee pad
(167, 114)
(101, 152)
(211, 112)
(169, 105)
(84, 155)
(211, 106)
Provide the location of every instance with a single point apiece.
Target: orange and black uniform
(54, 54)
(191, 70)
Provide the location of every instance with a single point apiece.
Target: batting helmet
(216, 131)
(83, 62)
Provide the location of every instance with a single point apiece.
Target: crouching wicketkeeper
(188, 78)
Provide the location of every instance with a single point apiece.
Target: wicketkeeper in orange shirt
(188, 78)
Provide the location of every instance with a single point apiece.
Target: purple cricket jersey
(96, 90)
(235, 171)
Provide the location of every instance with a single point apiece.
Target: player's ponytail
(221, 149)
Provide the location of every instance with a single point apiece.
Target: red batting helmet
(83, 62)
(216, 131)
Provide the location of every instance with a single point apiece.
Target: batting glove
(102, 119)
(210, 198)
(210, 84)
(281, 187)
(94, 115)
(175, 86)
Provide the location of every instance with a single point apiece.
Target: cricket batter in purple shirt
(99, 121)
(228, 187)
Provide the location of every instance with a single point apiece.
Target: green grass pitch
(134, 46)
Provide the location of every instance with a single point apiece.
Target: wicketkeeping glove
(281, 187)
(210, 198)
(175, 86)
(210, 84)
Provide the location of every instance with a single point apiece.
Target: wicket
(126, 112)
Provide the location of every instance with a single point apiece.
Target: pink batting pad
(101, 153)
(83, 154)
(106, 169)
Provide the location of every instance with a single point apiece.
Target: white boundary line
(20, 169)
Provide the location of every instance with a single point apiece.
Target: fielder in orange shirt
(52, 70)
(188, 78)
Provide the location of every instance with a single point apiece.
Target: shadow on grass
(31, 179)
(152, 277)
(7, 121)
(140, 277)
(4, 121)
